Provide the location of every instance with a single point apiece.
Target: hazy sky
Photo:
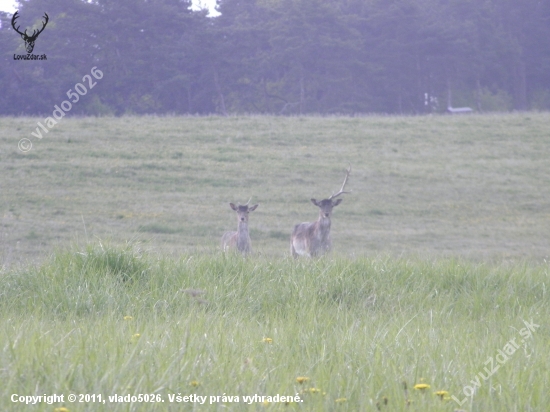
(10, 6)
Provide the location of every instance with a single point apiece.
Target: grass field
(474, 186)
(213, 325)
(112, 281)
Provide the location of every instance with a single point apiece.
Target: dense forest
(279, 56)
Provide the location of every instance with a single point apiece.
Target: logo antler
(29, 40)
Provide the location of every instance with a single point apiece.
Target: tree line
(280, 56)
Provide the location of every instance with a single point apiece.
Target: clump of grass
(124, 263)
(76, 282)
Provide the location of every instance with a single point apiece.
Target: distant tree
(288, 56)
(147, 54)
(68, 42)
(281, 56)
(145, 48)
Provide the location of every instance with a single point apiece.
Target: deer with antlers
(29, 40)
(313, 238)
(239, 240)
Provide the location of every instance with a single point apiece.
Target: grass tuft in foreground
(343, 334)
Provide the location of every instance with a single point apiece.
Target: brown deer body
(313, 238)
(239, 240)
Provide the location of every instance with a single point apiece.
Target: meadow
(473, 186)
(112, 280)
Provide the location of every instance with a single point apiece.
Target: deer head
(29, 40)
(326, 205)
(243, 211)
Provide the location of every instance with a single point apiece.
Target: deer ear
(338, 201)
(314, 201)
(233, 206)
(253, 208)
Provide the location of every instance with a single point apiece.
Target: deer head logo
(29, 40)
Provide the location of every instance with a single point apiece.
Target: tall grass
(112, 319)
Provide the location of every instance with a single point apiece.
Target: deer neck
(243, 239)
(242, 230)
(322, 226)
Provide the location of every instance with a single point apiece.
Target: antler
(35, 33)
(341, 192)
(15, 16)
(246, 204)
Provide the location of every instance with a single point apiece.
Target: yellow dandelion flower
(421, 386)
(128, 317)
(302, 379)
(136, 335)
(267, 340)
(194, 383)
(62, 409)
(341, 400)
(265, 403)
(442, 394)
(311, 390)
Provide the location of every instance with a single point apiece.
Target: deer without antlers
(313, 238)
(240, 239)
(29, 40)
